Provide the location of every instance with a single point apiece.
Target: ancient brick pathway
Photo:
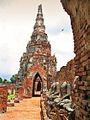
(28, 109)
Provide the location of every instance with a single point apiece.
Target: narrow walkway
(27, 109)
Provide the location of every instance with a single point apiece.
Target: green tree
(1, 80)
(5, 81)
(13, 78)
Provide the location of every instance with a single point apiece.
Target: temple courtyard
(27, 109)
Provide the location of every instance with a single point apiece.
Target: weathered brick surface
(66, 73)
(20, 93)
(79, 12)
(70, 71)
(3, 98)
(37, 62)
(11, 86)
(61, 75)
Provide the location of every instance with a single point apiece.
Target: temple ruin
(79, 12)
(37, 65)
(65, 95)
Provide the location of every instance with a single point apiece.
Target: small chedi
(37, 65)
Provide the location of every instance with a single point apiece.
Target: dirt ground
(27, 109)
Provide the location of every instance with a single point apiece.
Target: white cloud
(62, 42)
(63, 47)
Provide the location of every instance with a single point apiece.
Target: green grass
(11, 95)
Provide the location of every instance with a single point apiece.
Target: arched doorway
(37, 85)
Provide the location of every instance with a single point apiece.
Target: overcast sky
(17, 18)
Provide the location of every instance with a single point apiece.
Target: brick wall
(70, 71)
(66, 73)
(61, 75)
(79, 12)
(3, 98)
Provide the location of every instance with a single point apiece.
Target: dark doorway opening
(37, 85)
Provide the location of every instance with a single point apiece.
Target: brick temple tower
(37, 65)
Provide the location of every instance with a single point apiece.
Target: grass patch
(11, 94)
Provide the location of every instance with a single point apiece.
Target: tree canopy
(1, 80)
(13, 78)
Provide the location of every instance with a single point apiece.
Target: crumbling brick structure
(11, 86)
(66, 73)
(79, 11)
(70, 71)
(61, 75)
(37, 65)
(3, 98)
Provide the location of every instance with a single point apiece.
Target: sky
(17, 19)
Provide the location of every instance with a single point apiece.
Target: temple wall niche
(79, 11)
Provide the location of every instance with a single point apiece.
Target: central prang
(37, 65)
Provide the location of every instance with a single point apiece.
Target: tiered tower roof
(38, 50)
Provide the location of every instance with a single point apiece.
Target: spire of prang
(40, 9)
